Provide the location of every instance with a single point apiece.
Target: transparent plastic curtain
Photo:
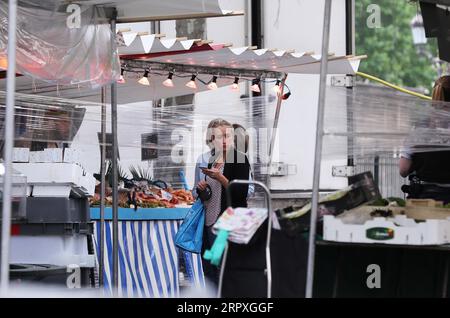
(61, 42)
(175, 135)
(378, 121)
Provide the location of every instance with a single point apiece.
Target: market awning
(203, 59)
(248, 59)
(156, 10)
(132, 43)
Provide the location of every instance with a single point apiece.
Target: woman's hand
(216, 174)
(202, 185)
(213, 173)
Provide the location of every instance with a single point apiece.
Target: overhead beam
(197, 69)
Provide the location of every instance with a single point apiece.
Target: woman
(224, 165)
(428, 171)
(241, 143)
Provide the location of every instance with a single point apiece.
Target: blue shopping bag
(190, 234)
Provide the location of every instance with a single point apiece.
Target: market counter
(406, 270)
(149, 262)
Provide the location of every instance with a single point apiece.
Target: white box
(397, 230)
(21, 154)
(53, 155)
(52, 175)
(71, 155)
(37, 156)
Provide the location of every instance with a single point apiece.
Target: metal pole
(318, 149)
(376, 170)
(350, 50)
(102, 189)
(114, 172)
(9, 144)
(275, 122)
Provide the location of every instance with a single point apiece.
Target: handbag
(190, 234)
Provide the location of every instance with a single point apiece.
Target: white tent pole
(8, 146)
(318, 149)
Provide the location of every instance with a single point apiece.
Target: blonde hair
(441, 89)
(215, 123)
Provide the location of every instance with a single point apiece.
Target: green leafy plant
(140, 174)
(121, 173)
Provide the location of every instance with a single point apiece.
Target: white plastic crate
(397, 230)
(57, 179)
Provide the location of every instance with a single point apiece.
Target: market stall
(213, 67)
(149, 260)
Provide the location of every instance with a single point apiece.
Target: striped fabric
(148, 259)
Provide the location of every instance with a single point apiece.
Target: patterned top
(212, 206)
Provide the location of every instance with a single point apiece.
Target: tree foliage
(389, 47)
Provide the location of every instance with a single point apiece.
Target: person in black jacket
(428, 170)
(225, 164)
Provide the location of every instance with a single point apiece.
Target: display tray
(127, 214)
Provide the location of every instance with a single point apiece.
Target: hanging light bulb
(277, 88)
(121, 79)
(235, 85)
(255, 86)
(286, 96)
(168, 82)
(213, 84)
(144, 79)
(191, 83)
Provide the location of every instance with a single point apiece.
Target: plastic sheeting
(370, 121)
(62, 43)
(377, 121)
(164, 140)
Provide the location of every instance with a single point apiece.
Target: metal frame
(8, 147)
(318, 149)
(102, 189)
(115, 194)
(268, 240)
(188, 69)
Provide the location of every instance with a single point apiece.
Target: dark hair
(240, 134)
(441, 89)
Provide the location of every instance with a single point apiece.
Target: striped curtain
(148, 259)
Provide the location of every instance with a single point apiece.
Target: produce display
(152, 197)
(141, 192)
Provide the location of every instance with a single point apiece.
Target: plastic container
(18, 194)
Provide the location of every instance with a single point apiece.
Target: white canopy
(135, 43)
(148, 10)
(263, 60)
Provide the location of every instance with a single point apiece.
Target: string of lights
(278, 88)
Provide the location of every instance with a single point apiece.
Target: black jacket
(237, 167)
(432, 166)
